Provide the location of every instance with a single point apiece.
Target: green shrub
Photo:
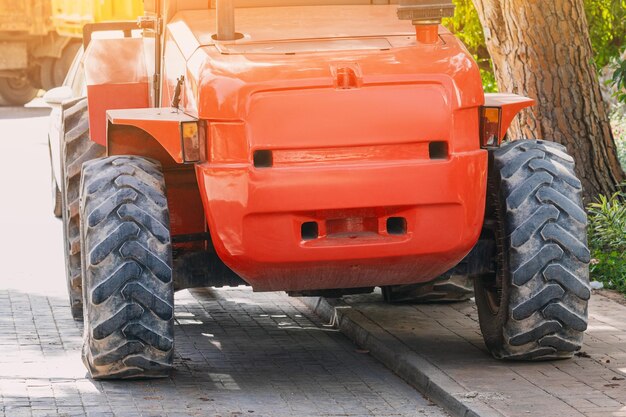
(607, 28)
(607, 240)
(610, 269)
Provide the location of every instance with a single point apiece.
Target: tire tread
(129, 293)
(545, 250)
(76, 149)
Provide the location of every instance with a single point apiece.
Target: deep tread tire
(76, 149)
(542, 283)
(127, 283)
(453, 286)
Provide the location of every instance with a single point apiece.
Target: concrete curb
(395, 355)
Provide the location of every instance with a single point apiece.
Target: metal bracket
(150, 23)
(425, 10)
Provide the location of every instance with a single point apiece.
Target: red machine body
(338, 150)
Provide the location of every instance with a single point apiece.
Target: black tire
(453, 286)
(17, 91)
(128, 289)
(76, 149)
(535, 306)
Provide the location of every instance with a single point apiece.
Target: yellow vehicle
(69, 16)
(39, 39)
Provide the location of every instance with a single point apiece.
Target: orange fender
(510, 105)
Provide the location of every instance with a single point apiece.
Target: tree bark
(542, 49)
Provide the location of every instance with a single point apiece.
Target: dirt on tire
(127, 258)
(536, 305)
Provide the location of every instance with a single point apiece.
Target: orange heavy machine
(315, 147)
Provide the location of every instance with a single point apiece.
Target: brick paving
(592, 384)
(237, 354)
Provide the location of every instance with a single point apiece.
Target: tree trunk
(542, 49)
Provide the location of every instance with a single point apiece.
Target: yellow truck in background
(39, 39)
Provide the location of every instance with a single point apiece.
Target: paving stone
(237, 354)
(448, 336)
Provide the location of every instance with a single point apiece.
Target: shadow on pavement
(235, 352)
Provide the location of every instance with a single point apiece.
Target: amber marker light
(191, 142)
(490, 122)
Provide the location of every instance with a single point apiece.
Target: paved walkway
(237, 354)
(448, 339)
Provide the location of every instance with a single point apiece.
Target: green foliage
(466, 26)
(619, 81)
(607, 28)
(490, 85)
(607, 240)
(610, 269)
(608, 222)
